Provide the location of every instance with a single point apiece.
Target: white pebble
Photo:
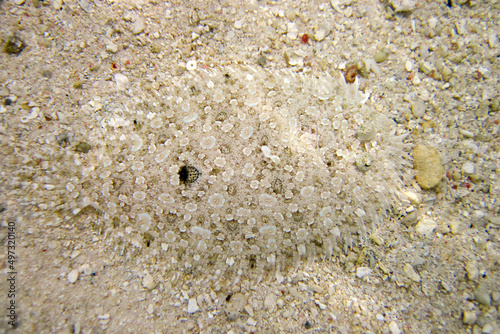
(394, 328)
(425, 226)
(86, 269)
(320, 304)
(321, 33)
(138, 26)
(468, 168)
(466, 133)
(416, 80)
(103, 317)
(192, 306)
(413, 197)
(266, 150)
(112, 47)
(191, 65)
(293, 30)
(190, 118)
(238, 24)
(73, 275)
(32, 115)
(363, 271)
(122, 81)
(148, 282)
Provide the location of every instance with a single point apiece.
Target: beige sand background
(432, 66)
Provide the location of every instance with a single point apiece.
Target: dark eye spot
(188, 174)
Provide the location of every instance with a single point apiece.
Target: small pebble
(251, 322)
(425, 226)
(456, 226)
(83, 147)
(363, 271)
(122, 81)
(73, 275)
(77, 328)
(495, 105)
(180, 69)
(403, 5)
(469, 317)
(394, 328)
(483, 109)
(380, 56)
(466, 133)
(411, 273)
(148, 282)
(86, 5)
(495, 221)
(238, 24)
(413, 197)
(468, 168)
(427, 162)
(446, 72)
(236, 303)
(14, 45)
(482, 296)
(488, 328)
(496, 296)
(472, 270)
(138, 26)
(103, 317)
(446, 286)
(4, 92)
(156, 48)
(192, 306)
(321, 32)
(418, 108)
(262, 61)
(270, 302)
(112, 47)
(280, 302)
(86, 269)
(409, 65)
(293, 31)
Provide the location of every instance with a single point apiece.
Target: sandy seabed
(431, 264)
